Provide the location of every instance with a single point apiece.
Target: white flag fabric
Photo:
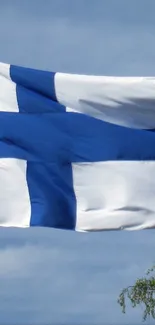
(76, 152)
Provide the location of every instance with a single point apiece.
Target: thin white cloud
(67, 276)
(61, 43)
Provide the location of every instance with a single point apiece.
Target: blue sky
(56, 277)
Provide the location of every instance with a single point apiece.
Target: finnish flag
(76, 152)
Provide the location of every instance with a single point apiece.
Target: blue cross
(50, 140)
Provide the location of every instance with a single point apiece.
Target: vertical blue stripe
(33, 102)
(39, 81)
(52, 197)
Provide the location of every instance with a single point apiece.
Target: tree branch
(141, 293)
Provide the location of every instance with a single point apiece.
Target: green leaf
(141, 293)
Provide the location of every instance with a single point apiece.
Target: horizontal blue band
(70, 138)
